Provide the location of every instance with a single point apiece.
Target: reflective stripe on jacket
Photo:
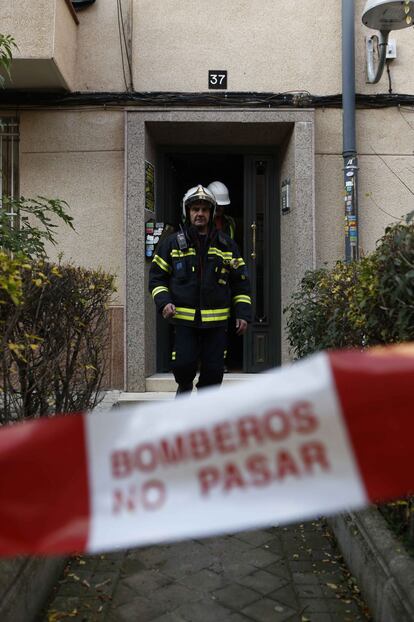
(202, 284)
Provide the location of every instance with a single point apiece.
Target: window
(9, 161)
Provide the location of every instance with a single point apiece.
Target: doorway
(252, 183)
(150, 132)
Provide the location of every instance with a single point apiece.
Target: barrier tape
(331, 432)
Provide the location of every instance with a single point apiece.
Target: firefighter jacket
(203, 277)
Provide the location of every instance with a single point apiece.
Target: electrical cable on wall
(389, 76)
(124, 47)
(293, 99)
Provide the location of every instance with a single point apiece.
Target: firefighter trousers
(198, 346)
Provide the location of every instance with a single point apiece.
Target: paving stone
(172, 596)
(308, 590)
(266, 610)
(206, 610)
(305, 577)
(131, 566)
(80, 610)
(326, 565)
(205, 580)
(331, 577)
(230, 568)
(137, 608)
(319, 555)
(258, 557)
(328, 605)
(255, 538)
(114, 557)
(275, 546)
(70, 587)
(236, 597)
(153, 556)
(286, 595)
(263, 582)
(187, 561)
(279, 568)
(171, 616)
(145, 582)
(97, 578)
(301, 566)
(124, 594)
(227, 545)
(273, 574)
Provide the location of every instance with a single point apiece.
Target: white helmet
(220, 192)
(199, 193)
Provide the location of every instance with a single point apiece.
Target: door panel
(167, 212)
(261, 249)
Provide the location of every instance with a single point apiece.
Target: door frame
(146, 128)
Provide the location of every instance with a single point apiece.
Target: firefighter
(222, 221)
(196, 276)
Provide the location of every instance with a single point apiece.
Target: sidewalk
(294, 573)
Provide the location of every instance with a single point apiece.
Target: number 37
(217, 78)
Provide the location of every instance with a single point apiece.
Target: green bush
(53, 335)
(32, 224)
(7, 45)
(358, 304)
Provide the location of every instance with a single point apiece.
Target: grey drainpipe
(349, 137)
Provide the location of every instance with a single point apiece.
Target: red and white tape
(331, 432)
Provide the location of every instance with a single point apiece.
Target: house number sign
(217, 79)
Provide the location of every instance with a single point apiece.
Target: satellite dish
(81, 4)
(384, 15)
(388, 14)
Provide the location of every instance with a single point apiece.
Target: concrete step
(162, 387)
(166, 382)
(126, 398)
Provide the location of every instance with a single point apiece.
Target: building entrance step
(162, 387)
(166, 382)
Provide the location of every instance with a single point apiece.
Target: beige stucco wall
(261, 44)
(65, 43)
(22, 19)
(99, 61)
(46, 35)
(79, 157)
(266, 45)
(385, 143)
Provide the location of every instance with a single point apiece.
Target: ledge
(382, 567)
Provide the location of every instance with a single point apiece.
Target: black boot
(184, 388)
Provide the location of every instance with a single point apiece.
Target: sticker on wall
(155, 232)
(149, 237)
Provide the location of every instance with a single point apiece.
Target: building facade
(112, 108)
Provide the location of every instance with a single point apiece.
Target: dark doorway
(252, 187)
(185, 170)
(181, 172)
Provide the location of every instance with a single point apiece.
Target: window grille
(9, 163)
